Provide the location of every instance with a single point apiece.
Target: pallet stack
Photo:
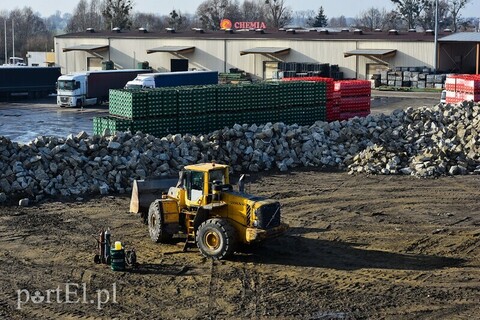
(200, 109)
(354, 98)
(411, 77)
(311, 97)
(462, 87)
(318, 93)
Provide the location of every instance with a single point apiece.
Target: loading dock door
(178, 65)
(94, 63)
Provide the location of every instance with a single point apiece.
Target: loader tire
(216, 238)
(156, 226)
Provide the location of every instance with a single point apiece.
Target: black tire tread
(158, 235)
(229, 234)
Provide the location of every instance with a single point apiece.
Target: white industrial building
(358, 54)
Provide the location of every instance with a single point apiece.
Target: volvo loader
(207, 210)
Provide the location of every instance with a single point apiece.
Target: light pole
(435, 51)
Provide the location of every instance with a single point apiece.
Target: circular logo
(226, 24)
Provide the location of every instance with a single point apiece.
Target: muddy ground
(359, 247)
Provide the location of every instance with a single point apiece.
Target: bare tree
(370, 20)
(177, 21)
(411, 10)
(86, 15)
(338, 22)
(393, 20)
(94, 14)
(252, 10)
(149, 21)
(211, 12)
(79, 20)
(278, 14)
(117, 13)
(31, 33)
(455, 6)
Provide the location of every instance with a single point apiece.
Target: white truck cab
(142, 81)
(15, 62)
(71, 91)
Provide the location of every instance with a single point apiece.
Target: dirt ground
(359, 247)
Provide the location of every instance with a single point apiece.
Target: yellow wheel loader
(204, 207)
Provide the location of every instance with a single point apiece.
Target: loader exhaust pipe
(241, 183)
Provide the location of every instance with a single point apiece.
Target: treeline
(34, 33)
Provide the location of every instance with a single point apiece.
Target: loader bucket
(144, 192)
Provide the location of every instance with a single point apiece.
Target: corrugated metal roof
(86, 47)
(462, 37)
(268, 34)
(265, 50)
(172, 49)
(371, 52)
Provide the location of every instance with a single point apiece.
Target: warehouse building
(261, 52)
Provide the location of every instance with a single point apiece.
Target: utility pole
(435, 51)
(6, 52)
(13, 38)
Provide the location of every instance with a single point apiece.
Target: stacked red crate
(462, 87)
(354, 98)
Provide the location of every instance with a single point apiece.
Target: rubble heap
(441, 140)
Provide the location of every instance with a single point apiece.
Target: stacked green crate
(270, 95)
(283, 97)
(140, 125)
(222, 98)
(310, 94)
(97, 125)
(193, 124)
(185, 100)
(228, 119)
(170, 101)
(321, 93)
(261, 116)
(291, 115)
(207, 101)
(113, 124)
(296, 93)
(162, 126)
(130, 104)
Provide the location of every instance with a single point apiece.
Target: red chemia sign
(227, 24)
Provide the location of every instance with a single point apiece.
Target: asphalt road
(24, 120)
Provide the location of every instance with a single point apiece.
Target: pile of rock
(423, 142)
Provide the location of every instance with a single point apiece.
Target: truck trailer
(173, 79)
(34, 82)
(92, 87)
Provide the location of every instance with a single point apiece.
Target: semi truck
(34, 82)
(91, 87)
(173, 79)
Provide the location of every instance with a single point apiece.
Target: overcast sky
(333, 8)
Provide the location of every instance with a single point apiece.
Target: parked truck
(91, 87)
(173, 79)
(33, 82)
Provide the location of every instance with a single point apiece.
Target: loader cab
(199, 180)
